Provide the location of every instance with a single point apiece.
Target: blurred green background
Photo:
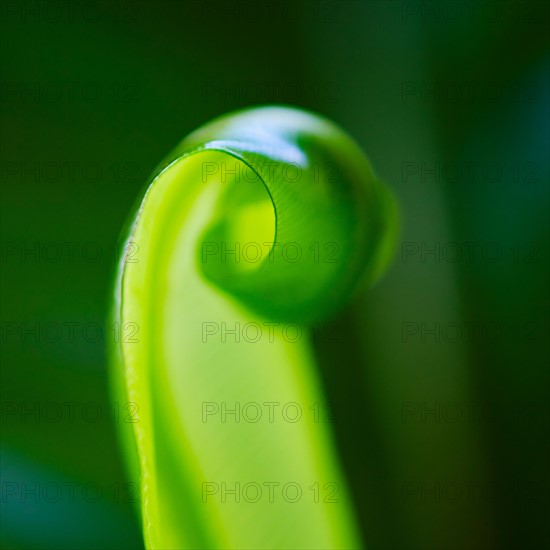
(440, 376)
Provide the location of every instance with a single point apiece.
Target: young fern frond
(265, 221)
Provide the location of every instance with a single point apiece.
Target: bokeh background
(441, 374)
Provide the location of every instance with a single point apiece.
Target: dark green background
(143, 75)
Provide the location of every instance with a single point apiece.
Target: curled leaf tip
(266, 217)
(301, 221)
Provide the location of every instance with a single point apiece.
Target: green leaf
(256, 228)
